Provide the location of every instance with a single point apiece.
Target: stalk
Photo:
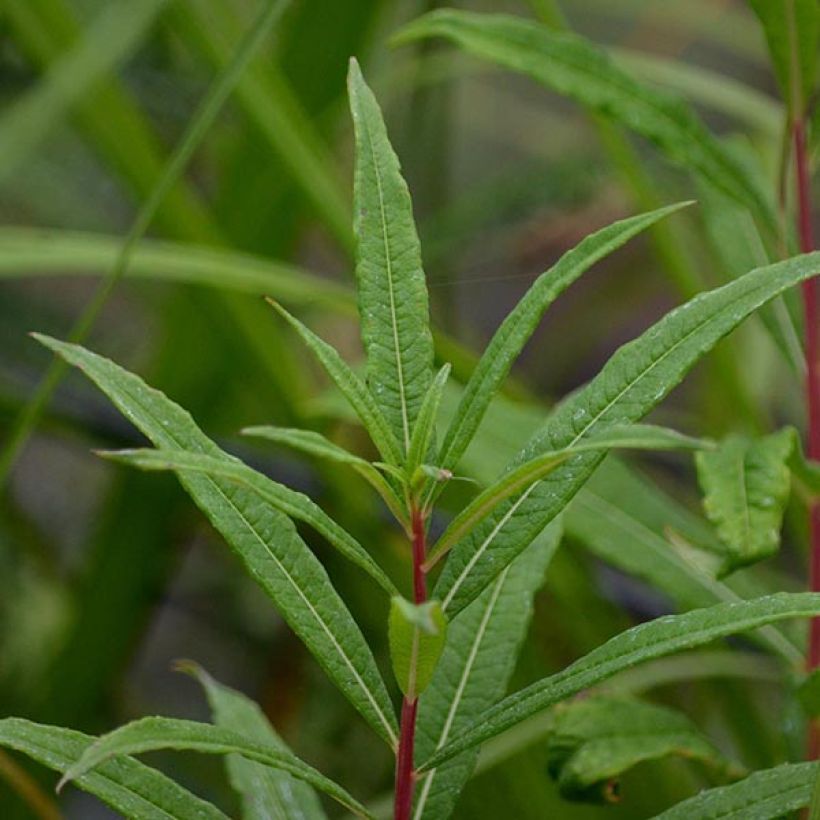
(812, 356)
(405, 776)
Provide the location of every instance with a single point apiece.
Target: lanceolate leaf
(417, 633)
(746, 485)
(265, 540)
(519, 325)
(474, 670)
(629, 436)
(655, 639)
(128, 786)
(265, 792)
(154, 733)
(791, 28)
(291, 502)
(573, 66)
(392, 291)
(425, 426)
(765, 795)
(353, 389)
(636, 378)
(594, 741)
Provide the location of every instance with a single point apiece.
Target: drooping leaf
(745, 483)
(155, 733)
(510, 338)
(655, 639)
(392, 291)
(265, 540)
(592, 742)
(424, 428)
(764, 795)
(573, 66)
(265, 792)
(290, 502)
(353, 389)
(128, 786)
(628, 436)
(635, 379)
(417, 633)
(792, 28)
(474, 670)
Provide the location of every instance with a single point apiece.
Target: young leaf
(636, 378)
(425, 426)
(764, 795)
(791, 28)
(353, 389)
(155, 733)
(128, 786)
(592, 742)
(417, 633)
(290, 502)
(514, 332)
(573, 66)
(628, 436)
(474, 670)
(655, 639)
(746, 486)
(265, 792)
(392, 291)
(265, 540)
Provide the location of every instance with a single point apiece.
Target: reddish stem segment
(405, 777)
(812, 353)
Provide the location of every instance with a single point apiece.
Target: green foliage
(746, 486)
(417, 633)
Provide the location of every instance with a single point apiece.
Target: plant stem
(405, 777)
(812, 354)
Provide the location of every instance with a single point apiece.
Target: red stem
(405, 777)
(812, 354)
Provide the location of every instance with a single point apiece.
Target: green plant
(453, 649)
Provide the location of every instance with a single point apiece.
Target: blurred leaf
(417, 633)
(635, 379)
(290, 502)
(482, 647)
(126, 785)
(655, 639)
(575, 67)
(746, 484)
(593, 742)
(393, 303)
(791, 28)
(154, 733)
(763, 795)
(266, 793)
(264, 539)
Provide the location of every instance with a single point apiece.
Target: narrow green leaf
(573, 66)
(628, 436)
(635, 379)
(765, 795)
(593, 742)
(417, 633)
(392, 291)
(425, 426)
(479, 656)
(353, 389)
(265, 540)
(792, 28)
(126, 785)
(746, 484)
(290, 502)
(155, 733)
(514, 332)
(266, 793)
(655, 639)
